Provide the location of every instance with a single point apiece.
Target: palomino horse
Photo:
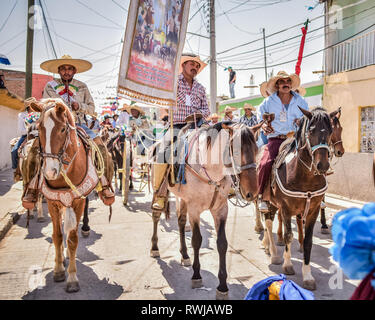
(63, 152)
(298, 186)
(215, 153)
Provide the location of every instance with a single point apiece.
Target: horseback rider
(283, 102)
(77, 97)
(191, 99)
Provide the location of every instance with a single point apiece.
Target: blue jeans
(14, 151)
(262, 140)
(89, 132)
(231, 89)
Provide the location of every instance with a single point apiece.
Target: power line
(120, 6)
(313, 53)
(85, 24)
(49, 34)
(6, 20)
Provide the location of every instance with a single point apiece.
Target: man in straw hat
(77, 97)
(214, 118)
(283, 101)
(191, 100)
(249, 118)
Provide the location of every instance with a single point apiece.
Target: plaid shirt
(197, 97)
(250, 122)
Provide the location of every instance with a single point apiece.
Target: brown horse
(215, 154)
(63, 151)
(298, 187)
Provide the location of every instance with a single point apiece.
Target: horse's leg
(300, 231)
(57, 237)
(196, 242)
(85, 230)
(181, 214)
(308, 279)
(280, 240)
(39, 206)
(220, 217)
(154, 240)
(288, 238)
(258, 223)
(324, 228)
(72, 240)
(269, 217)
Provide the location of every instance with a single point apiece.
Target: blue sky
(92, 30)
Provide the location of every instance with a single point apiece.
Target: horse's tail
(70, 221)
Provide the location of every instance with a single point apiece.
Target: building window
(368, 129)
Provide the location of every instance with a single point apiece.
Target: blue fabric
(262, 139)
(14, 151)
(181, 170)
(353, 233)
(231, 90)
(288, 291)
(89, 132)
(274, 105)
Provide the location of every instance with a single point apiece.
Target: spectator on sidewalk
(232, 81)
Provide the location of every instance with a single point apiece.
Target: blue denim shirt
(274, 105)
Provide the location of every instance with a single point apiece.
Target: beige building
(349, 83)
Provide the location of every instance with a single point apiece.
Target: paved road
(114, 262)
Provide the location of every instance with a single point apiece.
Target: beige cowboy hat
(229, 109)
(249, 106)
(192, 57)
(301, 91)
(135, 107)
(271, 84)
(95, 114)
(124, 107)
(213, 116)
(263, 89)
(53, 65)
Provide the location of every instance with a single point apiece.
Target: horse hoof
(155, 253)
(288, 270)
(196, 283)
(280, 243)
(258, 229)
(186, 262)
(72, 287)
(325, 231)
(222, 295)
(276, 260)
(85, 234)
(59, 276)
(309, 285)
(40, 220)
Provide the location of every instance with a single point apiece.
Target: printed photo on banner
(155, 43)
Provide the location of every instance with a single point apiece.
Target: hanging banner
(153, 44)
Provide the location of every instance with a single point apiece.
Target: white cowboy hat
(53, 65)
(271, 84)
(263, 89)
(249, 106)
(135, 107)
(192, 57)
(229, 109)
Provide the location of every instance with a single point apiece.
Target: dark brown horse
(298, 187)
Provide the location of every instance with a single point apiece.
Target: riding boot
(106, 194)
(157, 180)
(263, 205)
(30, 175)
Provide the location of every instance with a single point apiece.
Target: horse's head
(336, 140)
(242, 157)
(315, 135)
(54, 126)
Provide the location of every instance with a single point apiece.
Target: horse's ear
(60, 107)
(307, 113)
(34, 105)
(256, 128)
(335, 114)
(226, 126)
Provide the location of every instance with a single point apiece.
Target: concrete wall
(9, 119)
(350, 90)
(353, 177)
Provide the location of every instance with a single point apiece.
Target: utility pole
(29, 48)
(213, 63)
(265, 54)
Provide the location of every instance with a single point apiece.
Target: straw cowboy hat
(135, 107)
(53, 65)
(249, 106)
(124, 107)
(229, 109)
(213, 116)
(263, 89)
(95, 114)
(192, 57)
(271, 84)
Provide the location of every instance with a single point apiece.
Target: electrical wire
(6, 20)
(48, 32)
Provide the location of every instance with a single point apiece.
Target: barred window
(368, 129)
